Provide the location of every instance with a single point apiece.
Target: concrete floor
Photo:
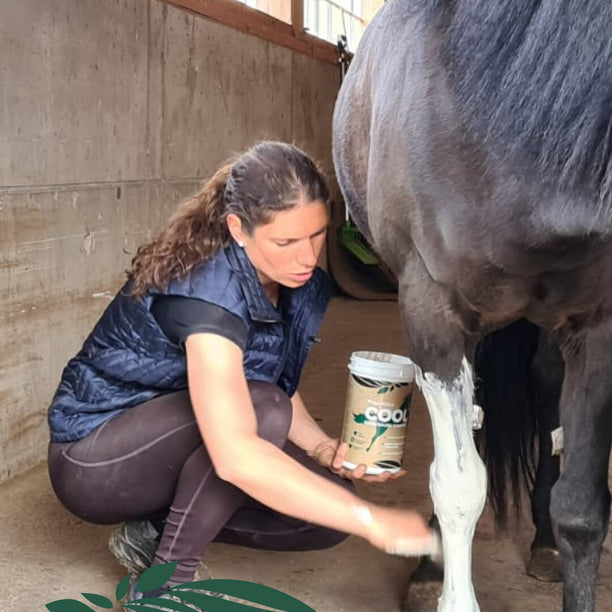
(48, 554)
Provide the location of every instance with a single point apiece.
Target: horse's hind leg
(580, 501)
(437, 343)
(547, 370)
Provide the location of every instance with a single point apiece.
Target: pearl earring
(241, 244)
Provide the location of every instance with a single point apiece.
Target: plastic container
(376, 411)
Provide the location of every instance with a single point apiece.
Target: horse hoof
(545, 564)
(422, 597)
(425, 588)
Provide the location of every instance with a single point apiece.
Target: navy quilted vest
(127, 359)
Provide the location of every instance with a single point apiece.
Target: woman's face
(286, 250)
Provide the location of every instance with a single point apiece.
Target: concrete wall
(110, 111)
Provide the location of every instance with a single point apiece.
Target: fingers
(339, 457)
(415, 547)
(377, 477)
(401, 532)
(360, 472)
(326, 456)
(383, 477)
(324, 453)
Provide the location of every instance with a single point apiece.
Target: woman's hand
(331, 453)
(328, 452)
(397, 531)
(325, 452)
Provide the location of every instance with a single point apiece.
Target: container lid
(384, 367)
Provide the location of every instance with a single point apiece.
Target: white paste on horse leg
(457, 482)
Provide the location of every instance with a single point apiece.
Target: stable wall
(111, 111)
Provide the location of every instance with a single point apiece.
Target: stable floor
(48, 554)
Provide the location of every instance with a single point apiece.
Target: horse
(472, 143)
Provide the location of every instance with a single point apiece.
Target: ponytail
(191, 235)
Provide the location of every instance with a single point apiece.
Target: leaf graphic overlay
(156, 576)
(157, 604)
(98, 600)
(68, 605)
(406, 403)
(241, 589)
(122, 588)
(184, 597)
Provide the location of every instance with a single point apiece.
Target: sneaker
(133, 544)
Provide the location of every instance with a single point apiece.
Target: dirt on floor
(48, 554)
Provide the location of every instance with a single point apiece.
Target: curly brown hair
(266, 179)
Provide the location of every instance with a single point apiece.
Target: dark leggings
(150, 463)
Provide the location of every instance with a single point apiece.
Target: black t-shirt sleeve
(180, 317)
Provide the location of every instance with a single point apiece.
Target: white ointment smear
(556, 436)
(477, 417)
(457, 481)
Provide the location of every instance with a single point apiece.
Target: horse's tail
(504, 389)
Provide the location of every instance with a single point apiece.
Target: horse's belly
(550, 298)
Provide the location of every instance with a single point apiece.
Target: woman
(180, 415)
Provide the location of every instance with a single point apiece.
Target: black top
(180, 317)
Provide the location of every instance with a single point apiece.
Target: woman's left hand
(331, 453)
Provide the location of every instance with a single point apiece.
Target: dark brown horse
(473, 145)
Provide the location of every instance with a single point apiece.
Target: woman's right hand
(397, 531)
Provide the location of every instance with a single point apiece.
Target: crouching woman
(180, 415)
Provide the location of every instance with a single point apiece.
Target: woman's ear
(234, 225)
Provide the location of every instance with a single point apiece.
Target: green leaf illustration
(406, 403)
(122, 588)
(359, 418)
(140, 607)
(380, 430)
(365, 382)
(98, 600)
(383, 390)
(249, 591)
(68, 605)
(155, 576)
(157, 603)
(210, 603)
